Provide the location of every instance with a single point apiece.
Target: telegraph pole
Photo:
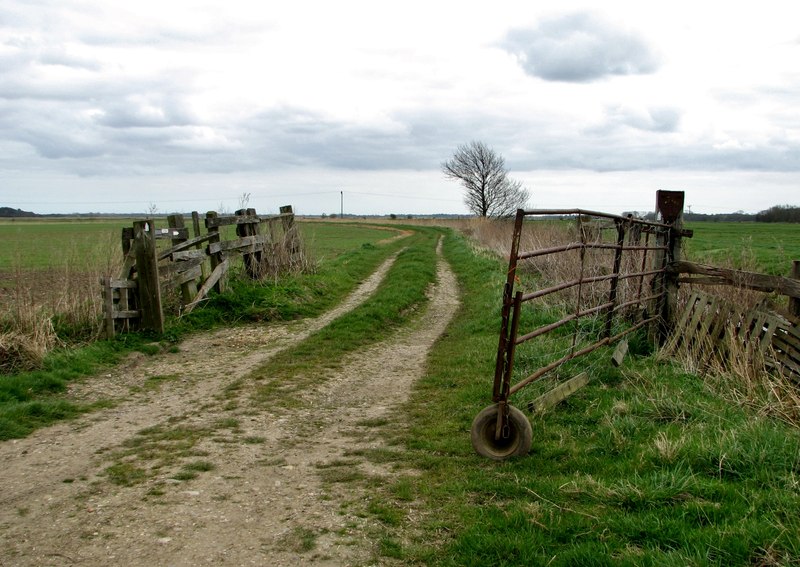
(341, 211)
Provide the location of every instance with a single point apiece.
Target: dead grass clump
(288, 255)
(740, 373)
(24, 346)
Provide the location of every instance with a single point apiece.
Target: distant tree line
(8, 212)
(778, 213)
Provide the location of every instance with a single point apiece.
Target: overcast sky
(126, 106)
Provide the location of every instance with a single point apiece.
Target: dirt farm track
(257, 490)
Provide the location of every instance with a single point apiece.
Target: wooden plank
(108, 307)
(770, 326)
(789, 349)
(738, 278)
(272, 219)
(678, 332)
(184, 255)
(559, 393)
(184, 246)
(128, 265)
(123, 284)
(168, 271)
(789, 367)
(619, 353)
(214, 238)
(197, 234)
(717, 332)
(707, 340)
(691, 328)
(126, 314)
(215, 276)
(183, 277)
(216, 222)
(244, 242)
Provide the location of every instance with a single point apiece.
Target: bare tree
(482, 172)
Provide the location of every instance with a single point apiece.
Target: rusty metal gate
(604, 268)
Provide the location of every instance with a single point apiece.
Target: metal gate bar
(512, 301)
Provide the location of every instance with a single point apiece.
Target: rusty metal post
(505, 313)
(612, 295)
(794, 302)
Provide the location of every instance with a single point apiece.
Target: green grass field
(93, 244)
(760, 247)
(43, 243)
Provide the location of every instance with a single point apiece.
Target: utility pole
(341, 212)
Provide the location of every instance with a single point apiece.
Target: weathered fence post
(108, 306)
(144, 242)
(291, 238)
(216, 259)
(196, 234)
(252, 260)
(669, 205)
(188, 289)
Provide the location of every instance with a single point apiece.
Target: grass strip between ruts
(395, 302)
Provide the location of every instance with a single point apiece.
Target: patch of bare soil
(186, 470)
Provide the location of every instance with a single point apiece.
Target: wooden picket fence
(709, 326)
(194, 265)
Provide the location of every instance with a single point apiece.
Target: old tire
(518, 441)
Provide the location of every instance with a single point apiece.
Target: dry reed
(739, 372)
(44, 309)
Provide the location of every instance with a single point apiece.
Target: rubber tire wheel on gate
(517, 443)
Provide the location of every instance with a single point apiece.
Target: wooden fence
(709, 325)
(193, 265)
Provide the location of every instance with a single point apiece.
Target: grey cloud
(292, 136)
(580, 48)
(655, 119)
(62, 58)
(128, 141)
(145, 112)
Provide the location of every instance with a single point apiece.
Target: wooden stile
(134, 299)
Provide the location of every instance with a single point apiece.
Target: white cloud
(580, 47)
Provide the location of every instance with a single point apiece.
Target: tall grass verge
(46, 309)
(644, 466)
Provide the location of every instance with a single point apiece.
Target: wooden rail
(193, 264)
(710, 275)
